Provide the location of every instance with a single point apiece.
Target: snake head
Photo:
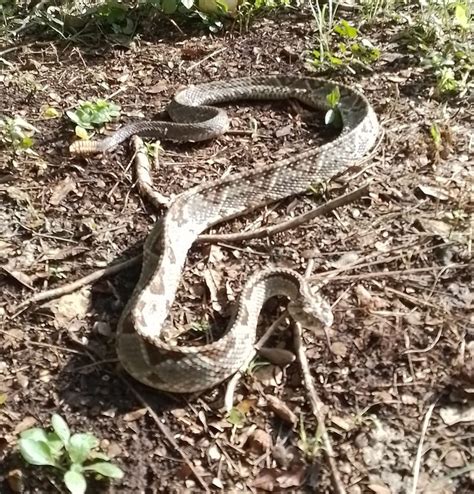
(311, 311)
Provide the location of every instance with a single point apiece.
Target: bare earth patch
(396, 371)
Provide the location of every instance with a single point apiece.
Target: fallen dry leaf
(260, 441)
(275, 479)
(61, 190)
(453, 414)
(281, 409)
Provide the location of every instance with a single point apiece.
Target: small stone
(454, 459)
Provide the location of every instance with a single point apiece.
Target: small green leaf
(435, 134)
(81, 132)
(55, 443)
(236, 417)
(98, 455)
(50, 112)
(169, 6)
(36, 452)
(75, 482)
(333, 117)
(345, 30)
(61, 428)
(3, 398)
(106, 469)
(460, 14)
(80, 445)
(36, 433)
(334, 97)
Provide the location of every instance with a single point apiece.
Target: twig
(419, 453)
(429, 347)
(207, 57)
(76, 285)
(316, 404)
(286, 225)
(232, 237)
(144, 181)
(382, 274)
(166, 432)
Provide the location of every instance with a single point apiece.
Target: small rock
(454, 459)
(361, 440)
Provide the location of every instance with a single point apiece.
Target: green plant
(440, 33)
(18, 133)
(339, 43)
(311, 446)
(92, 114)
(333, 115)
(324, 18)
(74, 455)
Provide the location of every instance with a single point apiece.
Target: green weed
(17, 133)
(440, 32)
(92, 114)
(74, 455)
(339, 43)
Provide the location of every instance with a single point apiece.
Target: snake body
(140, 346)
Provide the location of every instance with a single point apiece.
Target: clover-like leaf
(80, 446)
(36, 452)
(75, 482)
(106, 469)
(61, 428)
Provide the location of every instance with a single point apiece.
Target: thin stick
(316, 404)
(166, 432)
(419, 453)
(76, 285)
(286, 225)
(232, 237)
(207, 57)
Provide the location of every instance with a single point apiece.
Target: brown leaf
(281, 409)
(436, 192)
(15, 480)
(135, 415)
(260, 441)
(26, 423)
(275, 479)
(61, 190)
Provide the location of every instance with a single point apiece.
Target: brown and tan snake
(140, 347)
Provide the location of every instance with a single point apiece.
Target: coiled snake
(140, 347)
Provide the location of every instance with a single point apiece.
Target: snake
(141, 346)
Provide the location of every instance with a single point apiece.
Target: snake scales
(142, 350)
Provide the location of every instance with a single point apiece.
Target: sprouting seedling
(333, 115)
(436, 135)
(74, 455)
(92, 114)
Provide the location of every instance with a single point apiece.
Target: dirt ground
(395, 374)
